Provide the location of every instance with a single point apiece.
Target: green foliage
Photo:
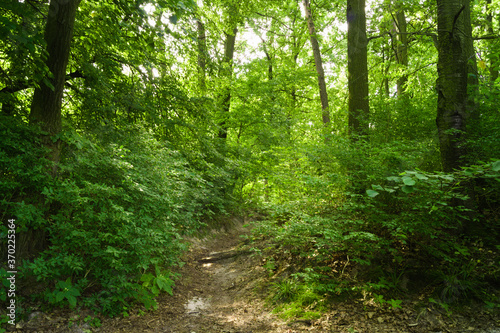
(157, 283)
(284, 291)
(64, 291)
(296, 300)
(403, 224)
(445, 306)
(3, 321)
(23, 175)
(115, 215)
(93, 321)
(141, 165)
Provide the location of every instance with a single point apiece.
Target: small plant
(445, 306)
(158, 282)
(492, 305)
(93, 321)
(64, 290)
(459, 282)
(72, 320)
(270, 266)
(395, 303)
(125, 313)
(379, 299)
(284, 291)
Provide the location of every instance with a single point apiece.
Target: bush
(113, 218)
(415, 222)
(23, 175)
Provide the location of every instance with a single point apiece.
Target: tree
(357, 44)
(227, 73)
(493, 54)
(401, 49)
(456, 52)
(325, 112)
(202, 55)
(47, 99)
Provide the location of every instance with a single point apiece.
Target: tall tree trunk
(202, 56)
(456, 54)
(493, 53)
(401, 49)
(227, 73)
(357, 67)
(325, 111)
(47, 99)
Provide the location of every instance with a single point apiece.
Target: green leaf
(408, 181)
(395, 303)
(165, 284)
(173, 19)
(48, 84)
(372, 193)
(71, 300)
(147, 278)
(60, 296)
(496, 166)
(407, 189)
(421, 177)
(393, 179)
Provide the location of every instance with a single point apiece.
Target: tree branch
(486, 37)
(23, 85)
(434, 36)
(456, 16)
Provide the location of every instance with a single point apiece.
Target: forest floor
(223, 290)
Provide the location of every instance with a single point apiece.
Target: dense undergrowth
(106, 231)
(343, 219)
(358, 224)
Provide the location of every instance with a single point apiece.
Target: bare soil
(223, 290)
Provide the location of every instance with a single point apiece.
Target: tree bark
(456, 54)
(202, 56)
(493, 52)
(357, 67)
(47, 99)
(227, 71)
(325, 110)
(401, 49)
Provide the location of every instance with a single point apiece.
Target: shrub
(114, 219)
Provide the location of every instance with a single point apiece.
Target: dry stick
(344, 266)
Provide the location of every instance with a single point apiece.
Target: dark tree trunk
(325, 112)
(47, 99)
(227, 73)
(202, 56)
(456, 54)
(401, 49)
(357, 44)
(494, 49)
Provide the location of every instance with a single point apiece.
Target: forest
(360, 137)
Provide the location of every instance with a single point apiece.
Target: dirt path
(215, 294)
(222, 291)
